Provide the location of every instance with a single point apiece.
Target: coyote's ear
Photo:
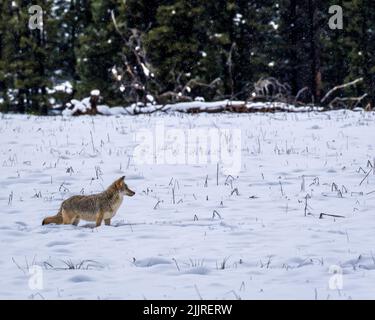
(120, 179)
(119, 182)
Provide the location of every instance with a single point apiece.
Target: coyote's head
(123, 187)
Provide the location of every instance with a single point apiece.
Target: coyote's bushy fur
(96, 207)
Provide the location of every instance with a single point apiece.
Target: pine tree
(98, 51)
(24, 56)
(347, 53)
(216, 49)
(255, 32)
(71, 18)
(335, 49)
(287, 57)
(5, 10)
(361, 37)
(300, 65)
(173, 44)
(227, 40)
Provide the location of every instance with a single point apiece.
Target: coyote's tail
(58, 219)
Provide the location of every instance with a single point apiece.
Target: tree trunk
(293, 45)
(316, 77)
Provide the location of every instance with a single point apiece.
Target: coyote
(96, 207)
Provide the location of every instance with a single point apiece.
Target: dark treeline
(176, 50)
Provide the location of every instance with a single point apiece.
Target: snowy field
(188, 232)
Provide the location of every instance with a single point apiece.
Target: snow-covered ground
(188, 233)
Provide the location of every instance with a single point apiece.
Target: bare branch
(299, 93)
(345, 85)
(355, 99)
(116, 26)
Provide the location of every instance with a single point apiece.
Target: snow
(238, 19)
(198, 103)
(150, 98)
(76, 105)
(95, 92)
(105, 110)
(183, 106)
(66, 87)
(274, 25)
(146, 71)
(114, 71)
(244, 236)
(201, 99)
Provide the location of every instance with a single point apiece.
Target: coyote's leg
(99, 219)
(107, 222)
(68, 217)
(76, 221)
